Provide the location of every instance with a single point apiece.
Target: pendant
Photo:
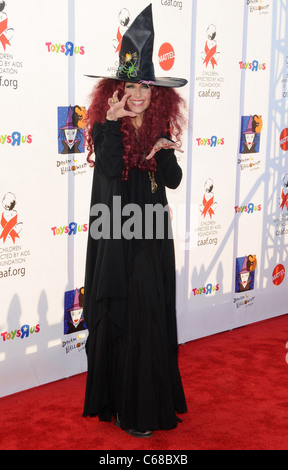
(154, 185)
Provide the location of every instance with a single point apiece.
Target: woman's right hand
(117, 108)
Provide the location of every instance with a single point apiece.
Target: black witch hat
(136, 54)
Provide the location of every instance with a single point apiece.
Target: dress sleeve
(169, 168)
(108, 149)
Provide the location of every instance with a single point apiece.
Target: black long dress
(129, 300)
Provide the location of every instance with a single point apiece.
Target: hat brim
(171, 82)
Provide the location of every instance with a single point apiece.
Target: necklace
(154, 185)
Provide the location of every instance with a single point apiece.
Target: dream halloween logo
(71, 129)
(73, 314)
(245, 281)
(251, 127)
(245, 273)
(71, 141)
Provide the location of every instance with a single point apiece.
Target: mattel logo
(278, 275)
(166, 56)
(284, 139)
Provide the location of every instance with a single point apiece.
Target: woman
(129, 304)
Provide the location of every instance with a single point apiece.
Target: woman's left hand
(163, 144)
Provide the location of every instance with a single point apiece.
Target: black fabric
(129, 303)
(136, 54)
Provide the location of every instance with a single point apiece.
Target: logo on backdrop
(71, 129)
(73, 314)
(285, 79)
(210, 56)
(207, 290)
(210, 82)
(172, 3)
(281, 221)
(245, 281)
(15, 139)
(284, 139)
(254, 66)
(124, 20)
(71, 141)
(258, 7)
(72, 229)
(6, 32)
(245, 273)
(10, 66)
(166, 56)
(284, 195)
(208, 230)
(68, 49)
(250, 208)
(213, 141)
(10, 226)
(12, 255)
(251, 127)
(208, 206)
(278, 275)
(74, 323)
(24, 332)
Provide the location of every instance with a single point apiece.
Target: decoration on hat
(128, 65)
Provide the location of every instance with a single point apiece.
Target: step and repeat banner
(230, 214)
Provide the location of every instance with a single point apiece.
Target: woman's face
(140, 98)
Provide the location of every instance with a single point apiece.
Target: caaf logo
(284, 194)
(281, 221)
(10, 226)
(209, 81)
(73, 314)
(6, 33)
(124, 19)
(208, 206)
(210, 56)
(208, 229)
(278, 275)
(166, 56)
(245, 273)
(251, 127)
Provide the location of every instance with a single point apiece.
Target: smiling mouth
(137, 103)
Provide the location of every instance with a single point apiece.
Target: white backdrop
(230, 214)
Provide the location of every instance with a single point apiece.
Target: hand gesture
(117, 108)
(163, 144)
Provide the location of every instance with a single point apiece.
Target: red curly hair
(162, 118)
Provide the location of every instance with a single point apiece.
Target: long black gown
(129, 300)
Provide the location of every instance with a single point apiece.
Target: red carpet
(236, 385)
